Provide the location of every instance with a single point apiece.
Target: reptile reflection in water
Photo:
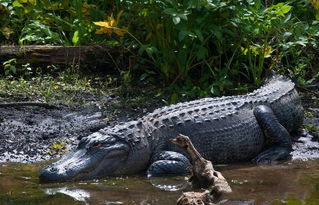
(294, 182)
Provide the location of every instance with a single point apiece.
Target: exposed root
(196, 198)
(203, 176)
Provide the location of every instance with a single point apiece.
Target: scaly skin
(223, 130)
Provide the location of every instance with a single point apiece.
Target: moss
(58, 146)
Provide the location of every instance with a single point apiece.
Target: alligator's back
(224, 129)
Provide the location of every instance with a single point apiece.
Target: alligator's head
(96, 156)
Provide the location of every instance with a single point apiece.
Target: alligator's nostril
(50, 174)
(53, 169)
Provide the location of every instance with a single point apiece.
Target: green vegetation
(58, 147)
(193, 47)
(311, 128)
(62, 88)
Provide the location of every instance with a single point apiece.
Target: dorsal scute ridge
(128, 132)
(200, 111)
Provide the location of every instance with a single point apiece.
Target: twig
(15, 104)
(308, 90)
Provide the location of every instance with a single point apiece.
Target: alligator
(256, 126)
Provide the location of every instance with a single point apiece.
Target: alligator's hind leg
(169, 163)
(277, 137)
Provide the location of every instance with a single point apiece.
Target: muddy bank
(31, 133)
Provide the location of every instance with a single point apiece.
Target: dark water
(291, 183)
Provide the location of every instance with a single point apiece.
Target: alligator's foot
(169, 163)
(272, 155)
(277, 137)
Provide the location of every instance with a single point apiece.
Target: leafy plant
(193, 47)
(10, 67)
(48, 22)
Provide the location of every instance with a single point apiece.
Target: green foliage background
(193, 47)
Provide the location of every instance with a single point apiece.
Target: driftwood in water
(93, 55)
(203, 176)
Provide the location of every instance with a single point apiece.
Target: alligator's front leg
(277, 137)
(169, 163)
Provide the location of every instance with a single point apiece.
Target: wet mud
(30, 134)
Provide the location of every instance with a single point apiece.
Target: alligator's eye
(96, 144)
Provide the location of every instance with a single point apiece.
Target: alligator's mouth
(85, 164)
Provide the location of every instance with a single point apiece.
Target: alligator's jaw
(80, 164)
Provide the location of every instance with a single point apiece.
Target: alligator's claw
(272, 155)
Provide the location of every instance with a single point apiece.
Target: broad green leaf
(17, 4)
(176, 19)
(287, 34)
(276, 6)
(244, 50)
(13, 69)
(28, 9)
(183, 16)
(199, 35)
(33, 2)
(201, 53)
(285, 9)
(267, 51)
(75, 38)
(174, 98)
(218, 34)
(182, 34)
(150, 50)
(288, 17)
(8, 62)
(214, 91)
(141, 50)
(170, 11)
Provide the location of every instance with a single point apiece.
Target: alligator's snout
(75, 164)
(51, 173)
(90, 160)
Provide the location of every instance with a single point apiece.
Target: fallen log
(75, 55)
